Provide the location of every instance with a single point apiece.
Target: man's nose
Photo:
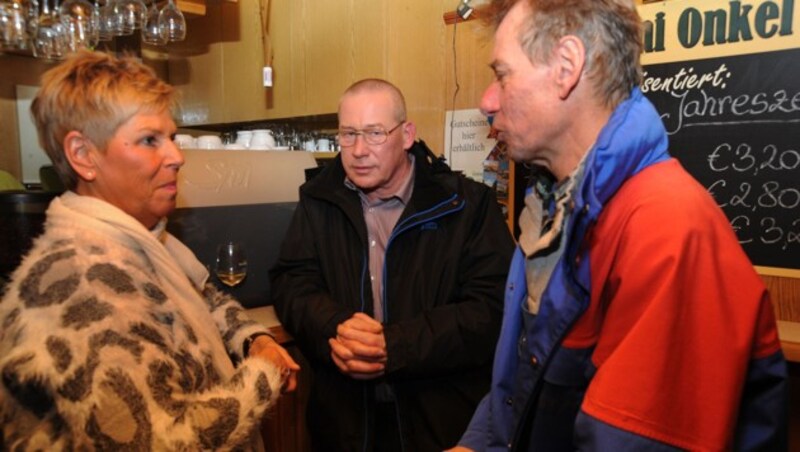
(360, 146)
(490, 101)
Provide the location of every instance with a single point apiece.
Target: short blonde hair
(376, 84)
(93, 93)
(611, 31)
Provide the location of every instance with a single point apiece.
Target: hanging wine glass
(33, 21)
(130, 16)
(14, 24)
(107, 19)
(152, 33)
(49, 42)
(76, 16)
(171, 20)
(3, 25)
(94, 34)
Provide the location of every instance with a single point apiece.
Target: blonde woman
(111, 338)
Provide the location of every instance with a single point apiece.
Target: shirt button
(534, 361)
(509, 402)
(372, 243)
(371, 209)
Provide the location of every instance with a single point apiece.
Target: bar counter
(266, 316)
(789, 333)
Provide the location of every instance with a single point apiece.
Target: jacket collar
(429, 195)
(633, 139)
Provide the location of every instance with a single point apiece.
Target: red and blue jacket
(654, 331)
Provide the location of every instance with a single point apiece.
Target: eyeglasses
(372, 135)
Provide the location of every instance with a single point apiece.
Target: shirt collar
(403, 194)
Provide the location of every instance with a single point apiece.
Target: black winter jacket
(445, 270)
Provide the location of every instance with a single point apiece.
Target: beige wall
(317, 49)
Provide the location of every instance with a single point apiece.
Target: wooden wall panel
(785, 294)
(329, 70)
(416, 50)
(243, 88)
(195, 68)
(318, 49)
(288, 64)
(367, 40)
(471, 58)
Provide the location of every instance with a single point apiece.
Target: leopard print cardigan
(95, 356)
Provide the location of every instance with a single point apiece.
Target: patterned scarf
(181, 275)
(547, 208)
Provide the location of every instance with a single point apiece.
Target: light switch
(267, 76)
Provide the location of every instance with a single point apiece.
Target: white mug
(184, 141)
(324, 145)
(243, 137)
(209, 142)
(262, 139)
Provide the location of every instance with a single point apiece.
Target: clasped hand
(359, 348)
(265, 347)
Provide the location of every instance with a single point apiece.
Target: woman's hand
(266, 348)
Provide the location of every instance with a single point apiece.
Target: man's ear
(570, 60)
(78, 150)
(409, 134)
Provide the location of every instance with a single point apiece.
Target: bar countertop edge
(266, 316)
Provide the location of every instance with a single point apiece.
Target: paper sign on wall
(466, 141)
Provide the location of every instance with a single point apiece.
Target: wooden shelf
(452, 17)
(325, 155)
(194, 7)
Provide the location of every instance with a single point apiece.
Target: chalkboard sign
(725, 77)
(739, 134)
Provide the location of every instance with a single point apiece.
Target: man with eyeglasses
(391, 280)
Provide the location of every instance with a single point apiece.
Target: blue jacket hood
(633, 139)
(623, 148)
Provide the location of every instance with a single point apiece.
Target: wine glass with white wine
(231, 265)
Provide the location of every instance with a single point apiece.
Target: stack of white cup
(262, 140)
(323, 145)
(243, 138)
(209, 142)
(185, 141)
